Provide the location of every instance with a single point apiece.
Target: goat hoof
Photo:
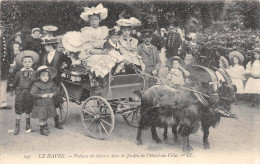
(165, 138)
(139, 143)
(187, 149)
(158, 140)
(206, 146)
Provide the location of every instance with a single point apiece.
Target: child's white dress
(253, 85)
(94, 38)
(237, 73)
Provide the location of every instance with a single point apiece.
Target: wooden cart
(101, 99)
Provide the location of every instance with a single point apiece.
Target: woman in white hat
(253, 71)
(94, 36)
(128, 43)
(236, 70)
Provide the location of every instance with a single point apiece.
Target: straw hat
(132, 22)
(50, 28)
(27, 53)
(35, 29)
(237, 54)
(170, 60)
(100, 10)
(53, 71)
(256, 50)
(224, 61)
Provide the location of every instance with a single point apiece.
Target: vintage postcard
(130, 81)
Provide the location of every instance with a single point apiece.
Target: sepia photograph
(130, 82)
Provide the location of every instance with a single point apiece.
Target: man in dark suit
(5, 61)
(57, 60)
(150, 57)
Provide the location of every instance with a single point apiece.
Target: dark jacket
(57, 61)
(5, 58)
(173, 42)
(151, 61)
(156, 41)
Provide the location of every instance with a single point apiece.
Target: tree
(227, 34)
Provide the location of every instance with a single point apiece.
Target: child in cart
(23, 83)
(94, 36)
(177, 73)
(112, 42)
(44, 90)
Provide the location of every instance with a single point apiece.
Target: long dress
(253, 84)
(43, 108)
(237, 73)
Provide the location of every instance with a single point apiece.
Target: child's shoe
(28, 125)
(47, 128)
(17, 129)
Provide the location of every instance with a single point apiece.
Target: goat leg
(154, 134)
(165, 136)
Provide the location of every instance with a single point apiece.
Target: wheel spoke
(91, 108)
(90, 125)
(105, 122)
(100, 130)
(132, 118)
(86, 119)
(103, 128)
(88, 112)
(64, 106)
(104, 116)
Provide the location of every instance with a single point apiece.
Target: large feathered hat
(128, 21)
(100, 10)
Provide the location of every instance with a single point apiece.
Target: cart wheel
(63, 109)
(97, 117)
(132, 117)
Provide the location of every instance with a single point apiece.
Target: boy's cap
(50, 41)
(146, 32)
(27, 53)
(50, 28)
(35, 29)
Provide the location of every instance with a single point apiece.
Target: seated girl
(94, 36)
(177, 73)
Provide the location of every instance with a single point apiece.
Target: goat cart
(101, 99)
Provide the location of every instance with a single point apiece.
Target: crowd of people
(35, 64)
